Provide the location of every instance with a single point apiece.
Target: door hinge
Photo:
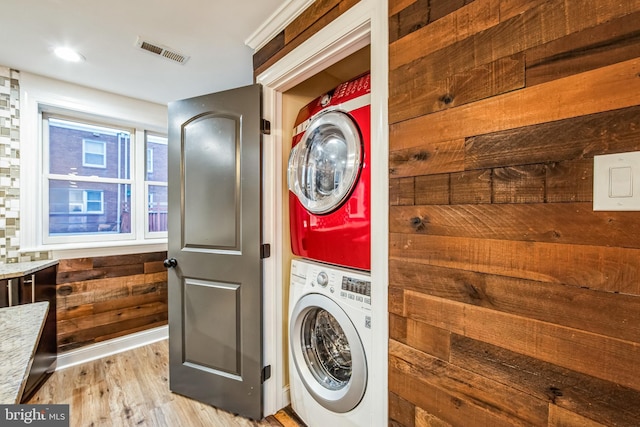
(266, 373)
(265, 250)
(265, 126)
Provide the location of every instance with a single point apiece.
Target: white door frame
(363, 24)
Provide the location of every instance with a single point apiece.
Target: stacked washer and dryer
(330, 287)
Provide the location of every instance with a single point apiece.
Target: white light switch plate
(616, 182)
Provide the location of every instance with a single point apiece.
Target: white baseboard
(107, 348)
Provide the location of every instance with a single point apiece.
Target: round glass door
(324, 165)
(326, 349)
(328, 353)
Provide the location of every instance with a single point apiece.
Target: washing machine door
(328, 353)
(325, 164)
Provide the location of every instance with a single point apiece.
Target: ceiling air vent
(163, 51)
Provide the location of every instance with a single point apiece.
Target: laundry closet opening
(293, 100)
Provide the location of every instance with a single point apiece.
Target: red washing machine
(329, 177)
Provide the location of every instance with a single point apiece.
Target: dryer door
(328, 353)
(324, 165)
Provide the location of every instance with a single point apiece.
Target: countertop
(20, 329)
(19, 269)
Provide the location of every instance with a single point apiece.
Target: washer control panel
(356, 289)
(350, 286)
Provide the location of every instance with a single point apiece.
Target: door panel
(206, 304)
(211, 145)
(215, 287)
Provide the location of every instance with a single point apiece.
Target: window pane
(157, 206)
(77, 207)
(156, 171)
(96, 147)
(75, 196)
(94, 207)
(94, 201)
(82, 149)
(149, 160)
(157, 150)
(94, 196)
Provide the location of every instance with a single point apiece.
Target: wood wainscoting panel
(607, 358)
(559, 417)
(401, 191)
(415, 97)
(431, 190)
(106, 297)
(411, 385)
(603, 313)
(470, 187)
(610, 269)
(511, 301)
(570, 139)
(428, 158)
(465, 385)
(613, 41)
(308, 23)
(596, 399)
(529, 222)
(456, 26)
(401, 412)
(307, 19)
(604, 89)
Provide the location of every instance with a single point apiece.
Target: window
(90, 172)
(92, 201)
(94, 154)
(76, 205)
(83, 170)
(156, 184)
(74, 201)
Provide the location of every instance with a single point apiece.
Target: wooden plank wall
(314, 18)
(107, 297)
(511, 302)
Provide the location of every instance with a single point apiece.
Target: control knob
(322, 279)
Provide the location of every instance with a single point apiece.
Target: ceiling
(212, 33)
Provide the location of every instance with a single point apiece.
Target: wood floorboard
(132, 389)
(287, 418)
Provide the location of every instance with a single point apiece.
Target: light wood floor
(132, 389)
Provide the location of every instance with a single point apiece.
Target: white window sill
(96, 249)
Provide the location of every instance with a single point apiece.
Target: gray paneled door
(215, 269)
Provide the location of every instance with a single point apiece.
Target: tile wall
(10, 170)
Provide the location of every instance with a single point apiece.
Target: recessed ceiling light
(68, 54)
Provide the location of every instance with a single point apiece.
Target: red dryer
(329, 177)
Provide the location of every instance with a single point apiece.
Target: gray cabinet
(37, 287)
(10, 292)
(26, 283)
(4, 293)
